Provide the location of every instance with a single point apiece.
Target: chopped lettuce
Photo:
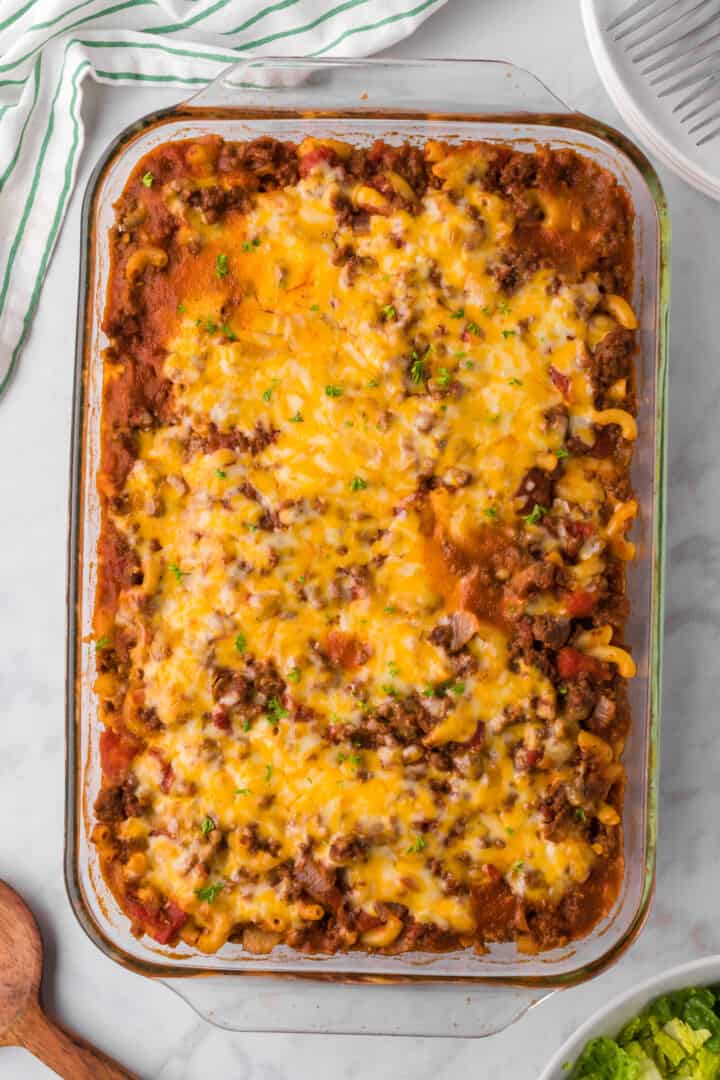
(677, 1037)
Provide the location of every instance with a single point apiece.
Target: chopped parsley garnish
(358, 484)
(222, 266)
(393, 669)
(389, 609)
(514, 382)
(562, 452)
(341, 758)
(473, 328)
(148, 179)
(457, 688)
(221, 474)
(267, 394)
(517, 866)
(243, 791)
(241, 643)
(459, 314)
(276, 710)
(418, 845)
(491, 512)
(268, 773)
(314, 307)
(562, 691)
(389, 311)
(417, 369)
(249, 245)
(180, 309)
(373, 384)
(207, 825)
(538, 513)
(297, 418)
(429, 691)
(207, 324)
(389, 689)
(333, 391)
(210, 892)
(294, 674)
(493, 418)
(102, 642)
(503, 308)
(356, 760)
(508, 333)
(177, 572)
(246, 725)
(444, 378)
(227, 332)
(510, 832)
(580, 813)
(485, 310)
(469, 364)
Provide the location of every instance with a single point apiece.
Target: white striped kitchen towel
(49, 47)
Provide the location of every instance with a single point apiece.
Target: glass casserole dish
(361, 101)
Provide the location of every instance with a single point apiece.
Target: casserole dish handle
(478, 88)
(459, 1010)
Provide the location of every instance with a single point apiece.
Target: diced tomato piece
(560, 382)
(160, 923)
(581, 603)
(315, 156)
(345, 650)
(116, 754)
(585, 529)
(572, 662)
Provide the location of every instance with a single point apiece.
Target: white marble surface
(142, 1023)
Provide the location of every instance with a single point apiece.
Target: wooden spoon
(22, 1020)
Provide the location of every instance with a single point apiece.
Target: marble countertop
(142, 1023)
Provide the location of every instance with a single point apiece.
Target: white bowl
(610, 1020)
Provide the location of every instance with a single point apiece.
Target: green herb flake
(177, 573)
(227, 332)
(297, 418)
(457, 688)
(276, 711)
(491, 512)
(180, 309)
(294, 674)
(314, 307)
(373, 384)
(250, 245)
(222, 266)
(469, 365)
(510, 832)
(580, 814)
(243, 791)
(268, 773)
(393, 669)
(473, 328)
(493, 418)
(333, 391)
(459, 314)
(246, 725)
(389, 609)
(417, 370)
(148, 179)
(221, 474)
(102, 643)
(358, 484)
(241, 643)
(429, 691)
(418, 845)
(356, 760)
(538, 513)
(508, 334)
(210, 326)
(389, 312)
(503, 308)
(267, 394)
(210, 892)
(515, 382)
(562, 452)
(562, 691)
(207, 825)
(444, 378)
(517, 866)
(389, 689)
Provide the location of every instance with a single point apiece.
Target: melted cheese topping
(263, 557)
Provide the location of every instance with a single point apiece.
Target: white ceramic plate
(611, 1019)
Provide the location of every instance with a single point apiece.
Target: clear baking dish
(458, 994)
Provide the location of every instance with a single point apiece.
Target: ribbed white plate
(650, 117)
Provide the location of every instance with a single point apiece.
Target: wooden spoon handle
(64, 1052)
